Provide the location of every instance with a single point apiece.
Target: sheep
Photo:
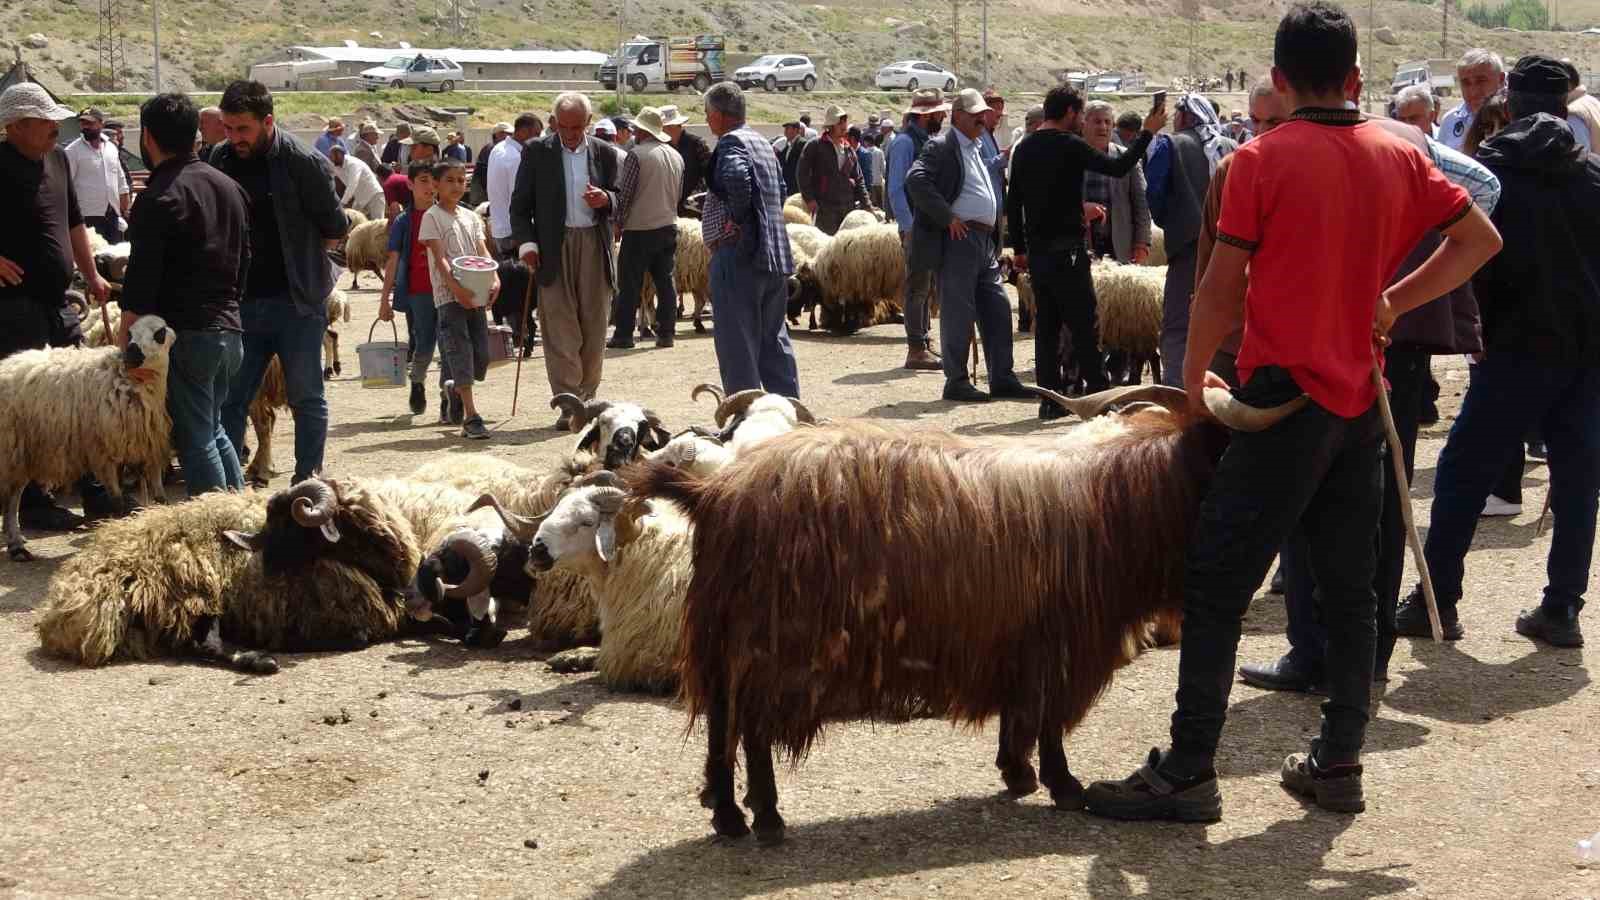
(1158, 247)
(805, 288)
(636, 560)
(751, 416)
(111, 261)
(863, 277)
(858, 218)
(1130, 300)
(273, 394)
(834, 574)
(366, 250)
(795, 212)
(338, 308)
(160, 582)
(615, 431)
(699, 453)
(65, 411)
(691, 274)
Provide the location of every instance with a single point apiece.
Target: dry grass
(171, 779)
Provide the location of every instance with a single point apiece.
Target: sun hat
(671, 116)
(649, 122)
(30, 101)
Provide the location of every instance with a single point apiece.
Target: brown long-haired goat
(854, 570)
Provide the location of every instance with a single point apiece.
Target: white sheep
(65, 411)
(749, 417)
(700, 454)
(858, 218)
(795, 212)
(1158, 247)
(367, 249)
(863, 275)
(1129, 302)
(691, 274)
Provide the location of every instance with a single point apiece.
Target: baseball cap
(30, 101)
(92, 112)
(605, 127)
(970, 101)
(422, 134)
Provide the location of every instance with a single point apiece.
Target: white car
(915, 73)
(420, 71)
(777, 72)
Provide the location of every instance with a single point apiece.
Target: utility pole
(955, 37)
(622, 12)
(155, 9)
(1444, 32)
(110, 61)
(985, 67)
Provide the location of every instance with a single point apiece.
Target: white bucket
(476, 274)
(383, 363)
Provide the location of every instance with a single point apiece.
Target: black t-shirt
(40, 209)
(267, 268)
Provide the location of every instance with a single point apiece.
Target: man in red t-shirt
(1322, 210)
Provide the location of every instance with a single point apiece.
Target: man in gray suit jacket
(561, 221)
(1123, 232)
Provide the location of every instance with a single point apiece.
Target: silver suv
(423, 72)
(778, 72)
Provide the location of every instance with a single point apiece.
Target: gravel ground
(415, 768)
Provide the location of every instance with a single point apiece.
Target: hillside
(206, 43)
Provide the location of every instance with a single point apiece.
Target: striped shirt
(1480, 183)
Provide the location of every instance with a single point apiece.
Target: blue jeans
(273, 326)
(422, 325)
(970, 291)
(200, 368)
(1509, 394)
(750, 334)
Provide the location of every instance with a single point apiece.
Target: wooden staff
(1397, 456)
(521, 349)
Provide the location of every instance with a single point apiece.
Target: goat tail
(659, 480)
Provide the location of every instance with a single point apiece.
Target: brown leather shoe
(921, 360)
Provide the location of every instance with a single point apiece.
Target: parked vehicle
(420, 71)
(1441, 73)
(778, 72)
(915, 73)
(1117, 83)
(670, 63)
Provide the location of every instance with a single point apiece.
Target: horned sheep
(162, 582)
(65, 411)
(890, 633)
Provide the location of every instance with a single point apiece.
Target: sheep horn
(1098, 403)
(581, 411)
(603, 478)
(736, 404)
(522, 527)
(701, 431)
(479, 572)
(652, 417)
(609, 500)
(801, 412)
(711, 389)
(1241, 416)
(312, 503)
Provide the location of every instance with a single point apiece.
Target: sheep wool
(1158, 247)
(1129, 300)
(367, 247)
(863, 275)
(691, 274)
(858, 218)
(795, 212)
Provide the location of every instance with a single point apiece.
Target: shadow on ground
(1156, 860)
(1452, 686)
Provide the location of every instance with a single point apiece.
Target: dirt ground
(446, 772)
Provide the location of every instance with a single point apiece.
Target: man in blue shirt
(924, 118)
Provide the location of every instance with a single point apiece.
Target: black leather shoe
(1284, 675)
(1553, 628)
(964, 392)
(1411, 620)
(1011, 390)
(49, 517)
(1276, 585)
(1049, 411)
(419, 399)
(619, 344)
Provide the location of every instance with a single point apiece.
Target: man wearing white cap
(958, 204)
(606, 131)
(45, 233)
(647, 211)
(362, 191)
(831, 182)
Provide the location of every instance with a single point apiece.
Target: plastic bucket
(383, 363)
(476, 274)
(501, 346)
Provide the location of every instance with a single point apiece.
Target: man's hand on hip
(10, 273)
(958, 229)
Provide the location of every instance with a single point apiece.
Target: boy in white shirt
(449, 230)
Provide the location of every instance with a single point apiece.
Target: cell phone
(1158, 101)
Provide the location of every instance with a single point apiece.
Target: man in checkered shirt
(750, 263)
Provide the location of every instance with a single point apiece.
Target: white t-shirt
(459, 234)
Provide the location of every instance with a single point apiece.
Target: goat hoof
(729, 823)
(327, 374)
(256, 663)
(337, 370)
(1068, 795)
(19, 553)
(769, 828)
(1020, 782)
(708, 797)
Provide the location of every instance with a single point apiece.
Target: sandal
(1147, 794)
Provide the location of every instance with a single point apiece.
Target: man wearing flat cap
(1541, 366)
(365, 147)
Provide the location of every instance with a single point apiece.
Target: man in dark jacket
(295, 218)
(696, 155)
(830, 175)
(478, 188)
(957, 215)
(789, 159)
(561, 213)
(1541, 364)
(191, 250)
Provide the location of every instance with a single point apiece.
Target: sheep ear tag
(330, 531)
(605, 539)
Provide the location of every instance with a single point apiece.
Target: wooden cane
(1403, 486)
(973, 337)
(527, 301)
(105, 319)
(1543, 513)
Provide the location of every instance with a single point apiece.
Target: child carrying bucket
(450, 231)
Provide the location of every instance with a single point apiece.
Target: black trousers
(1407, 373)
(646, 251)
(1064, 292)
(1319, 471)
